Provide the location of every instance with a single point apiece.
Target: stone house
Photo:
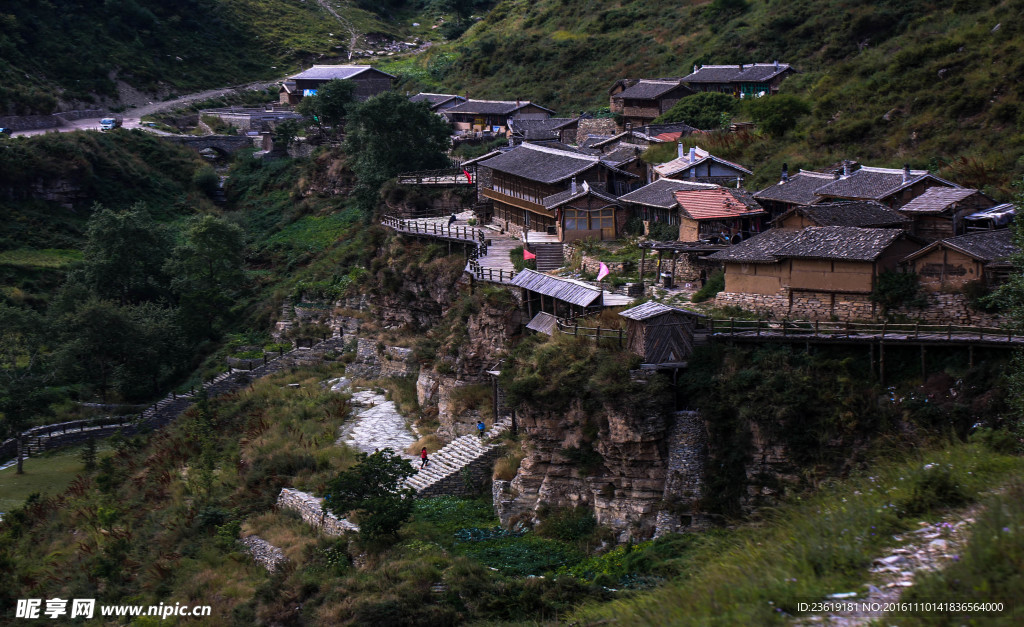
(717, 215)
(639, 102)
(368, 81)
(438, 102)
(520, 180)
(940, 211)
(818, 272)
(865, 214)
(743, 80)
(492, 117)
(951, 263)
(893, 187)
(701, 166)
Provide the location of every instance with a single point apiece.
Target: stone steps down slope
(444, 473)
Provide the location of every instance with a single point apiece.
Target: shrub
(898, 289)
(706, 110)
(934, 486)
(714, 285)
(516, 255)
(663, 231)
(569, 525)
(777, 114)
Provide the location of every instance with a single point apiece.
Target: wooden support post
(597, 335)
(924, 369)
(643, 259)
(881, 363)
(970, 355)
(673, 268)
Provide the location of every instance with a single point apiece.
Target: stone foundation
(687, 447)
(941, 309)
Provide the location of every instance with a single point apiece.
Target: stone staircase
(549, 256)
(446, 472)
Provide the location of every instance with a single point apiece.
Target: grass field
(49, 474)
(47, 258)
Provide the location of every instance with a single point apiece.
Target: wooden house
(892, 187)
(438, 102)
(492, 117)
(743, 80)
(368, 81)
(660, 334)
(584, 213)
(700, 166)
(834, 260)
(643, 100)
(562, 130)
(656, 202)
(955, 261)
(520, 180)
(718, 214)
(865, 214)
(939, 212)
(792, 191)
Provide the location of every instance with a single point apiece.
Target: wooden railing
(493, 275)
(447, 176)
(573, 328)
(437, 229)
(732, 327)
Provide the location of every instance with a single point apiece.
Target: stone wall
(595, 126)
(264, 553)
(687, 448)
(310, 508)
(942, 308)
(397, 362)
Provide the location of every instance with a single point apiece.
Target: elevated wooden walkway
(449, 177)
(860, 332)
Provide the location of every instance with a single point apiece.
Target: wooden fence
(458, 232)
(598, 334)
(886, 331)
(447, 176)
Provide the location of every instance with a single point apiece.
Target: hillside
(934, 83)
(70, 52)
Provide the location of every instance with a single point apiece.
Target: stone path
(377, 426)
(929, 548)
(467, 458)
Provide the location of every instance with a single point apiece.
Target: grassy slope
(951, 86)
(77, 47)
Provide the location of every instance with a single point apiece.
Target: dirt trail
(353, 33)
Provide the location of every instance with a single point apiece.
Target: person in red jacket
(423, 457)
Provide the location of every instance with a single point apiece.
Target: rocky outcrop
(614, 461)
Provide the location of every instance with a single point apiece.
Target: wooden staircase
(549, 256)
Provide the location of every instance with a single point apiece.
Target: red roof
(713, 204)
(669, 137)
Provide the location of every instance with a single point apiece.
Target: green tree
(96, 341)
(24, 371)
(777, 114)
(387, 134)
(330, 106)
(284, 134)
(207, 270)
(1009, 297)
(372, 488)
(706, 110)
(125, 253)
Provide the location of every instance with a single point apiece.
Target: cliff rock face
(615, 461)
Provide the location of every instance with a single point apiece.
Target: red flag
(527, 255)
(469, 177)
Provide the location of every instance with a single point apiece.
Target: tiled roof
(847, 243)
(481, 158)
(937, 199)
(862, 213)
(661, 193)
(747, 73)
(798, 190)
(435, 99)
(650, 89)
(561, 289)
(985, 246)
(652, 309)
(875, 183)
(683, 163)
(556, 200)
(758, 249)
(537, 163)
(541, 129)
(593, 141)
(718, 203)
(622, 154)
(331, 72)
(493, 107)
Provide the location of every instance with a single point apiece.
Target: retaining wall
(310, 508)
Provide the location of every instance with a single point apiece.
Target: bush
(777, 114)
(897, 289)
(706, 111)
(663, 232)
(714, 285)
(568, 525)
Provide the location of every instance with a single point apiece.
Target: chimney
(518, 103)
(906, 172)
(785, 173)
(741, 67)
(694, 68)
(846, 169)
(679, 150)
(776, 64)
(835, 175)
(693, 153)
(573, 187)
